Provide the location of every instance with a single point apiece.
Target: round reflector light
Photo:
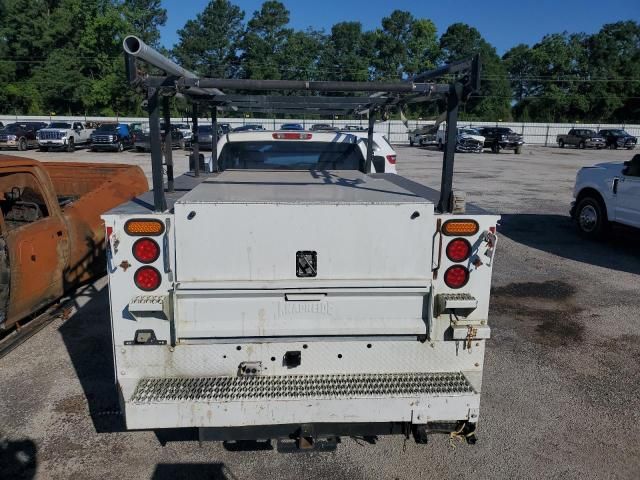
(456, 276)
(458, 250)
(146, 250)
(147, 278)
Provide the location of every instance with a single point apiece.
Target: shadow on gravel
(557, 234)
(18, 459)
(87, 336)
(190, 471)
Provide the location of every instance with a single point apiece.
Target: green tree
(209, 44)
(614, 64)
(145, 16)
(301, 55)
(264, 42)
(348, 54)
(462, 41)
(405, 46)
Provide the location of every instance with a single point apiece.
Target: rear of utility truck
(299, 303)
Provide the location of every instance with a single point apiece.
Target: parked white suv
(64, 135)
(384, 156)
(604, 193)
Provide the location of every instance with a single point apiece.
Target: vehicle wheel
(561, 143)
(591, 216)
(411, 142)
(440, 145)
(139, 149)
(22, 144)
(120, 147)
(71, 147)
(631, 147)
(495, 148)
(581, 145)
(93, 149)
(518, 150)
(182, 144)
(44, 149)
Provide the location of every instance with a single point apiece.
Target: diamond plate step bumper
(284, 399)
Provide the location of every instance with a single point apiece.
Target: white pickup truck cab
(64, 135)
(607, 192)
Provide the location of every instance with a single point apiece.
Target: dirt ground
(562, 372)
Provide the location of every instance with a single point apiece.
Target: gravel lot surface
(562, 373)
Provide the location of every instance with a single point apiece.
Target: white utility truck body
(328, 287)
(294, 293)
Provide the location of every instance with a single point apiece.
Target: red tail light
(146, 250)
(458, 250)
(456, 276)
(391, 159)
(147, 278)
(292, 136)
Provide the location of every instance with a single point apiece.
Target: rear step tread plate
(298, 387)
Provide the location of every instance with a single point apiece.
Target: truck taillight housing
(146, 250)
(147, 278)
(144, 227)
(456, 276)
(461, 228)
(458, 250)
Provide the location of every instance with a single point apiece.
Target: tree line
(65, 57)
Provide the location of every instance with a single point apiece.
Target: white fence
(395, 130)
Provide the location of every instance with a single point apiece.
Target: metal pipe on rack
(135, 47)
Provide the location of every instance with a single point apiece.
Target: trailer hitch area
(305, 441)
(465, 432)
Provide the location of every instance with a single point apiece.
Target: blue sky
(503, 23)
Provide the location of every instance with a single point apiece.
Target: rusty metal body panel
(51, 234)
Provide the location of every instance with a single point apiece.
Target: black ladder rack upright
(463, 80)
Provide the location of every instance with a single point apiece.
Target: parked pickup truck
(64, 135)
(422, 136)
(20, 135)
(501, 138)
(467, 140)
(618, 138)
(605, 193)
(51, 236)
(112, 136)
(581, 138)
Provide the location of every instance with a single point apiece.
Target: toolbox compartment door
(233, 242)
(334, 312)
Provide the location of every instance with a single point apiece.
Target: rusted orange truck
(51, 234)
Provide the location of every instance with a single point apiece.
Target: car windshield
(291, 126)
(12, 128)
(618, 133)
(504, 131)
(107, 128)
(205, 129)
(296, 155)
(60, 125)
(469, 131)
